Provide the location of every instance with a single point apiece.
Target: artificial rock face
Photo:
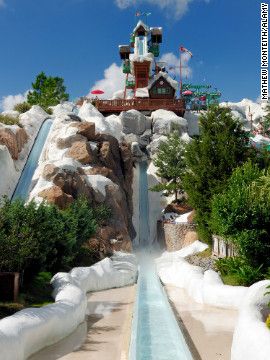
(81, 162)
(14, 138)
(133, 121)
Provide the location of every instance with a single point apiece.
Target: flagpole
(180, 89)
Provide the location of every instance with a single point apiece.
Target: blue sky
(78, 40)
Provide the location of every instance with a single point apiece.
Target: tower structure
(140, 65)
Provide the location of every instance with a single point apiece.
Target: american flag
(182, 48)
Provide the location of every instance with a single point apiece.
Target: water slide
(24, 184)
(156, 334)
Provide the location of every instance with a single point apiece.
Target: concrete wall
(177, 235)
(221, 248)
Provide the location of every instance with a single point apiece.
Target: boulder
(86, 129)
(156, 141)
(136, 150)
(99, 170)
(14, 138)
(7, 182)
(67, 136)
(164, 122)
(49, 171)
(133, 122)
(145, 137)
(80, 151)
(74, 184)
(192, 118)
(55, 195)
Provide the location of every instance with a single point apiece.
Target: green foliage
(9, 120)
(43, 237)
(38, 292)
(238, 271)
(210, 159)
(22, 107)
(266, 121)
(267, 322)
(47, 91)
(8, 309)
(241, 213)
(170, 164)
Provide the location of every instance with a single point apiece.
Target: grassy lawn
(231, 279)
(206, 253)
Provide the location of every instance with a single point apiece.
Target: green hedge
(241, 213)
(43, 238)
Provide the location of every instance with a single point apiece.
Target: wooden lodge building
(148, 86)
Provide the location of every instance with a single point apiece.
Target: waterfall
(155, 331)
(23, 187)
(143, 206)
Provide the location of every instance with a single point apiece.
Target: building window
(163, 91)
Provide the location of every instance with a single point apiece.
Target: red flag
(138, 13)
(182, 48)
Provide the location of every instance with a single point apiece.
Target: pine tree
(47, 91)
(211, 158)
(170, 164)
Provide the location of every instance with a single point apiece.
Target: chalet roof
(165, 75)
(156, 30)
(139, 24)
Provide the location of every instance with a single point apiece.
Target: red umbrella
(203, 98)
(97, 92)
(187, 92)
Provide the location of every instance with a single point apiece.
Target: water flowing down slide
(156, 334)
(23, 187)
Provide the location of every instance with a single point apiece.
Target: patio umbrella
(203, 98)
(97, 92)
(187, 92)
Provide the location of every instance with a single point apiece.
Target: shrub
(239, 270)
(241, 214)
(9, 120)
(267, 322)
(210, 159)
(22, 107)
(43, 237)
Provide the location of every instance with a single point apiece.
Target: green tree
(170, 164)
(43, 238)
(47, 91)
(241, 213)
(210, 158)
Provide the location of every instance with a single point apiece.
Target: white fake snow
(118, 94)
(30, 330)
(166, 76)
(107, 125)
(181, 219)
(251, 338)
(204, 287)
(8, 177)
(31, 122)
(142, 93)
(99, 183)
(164, 120)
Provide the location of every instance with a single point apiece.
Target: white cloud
(2, 3)
(8, 102)
(175, 8)
(113, 80)
(173, 64)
